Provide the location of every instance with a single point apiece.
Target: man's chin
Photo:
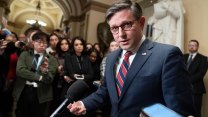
(41, 51)
(125, 47)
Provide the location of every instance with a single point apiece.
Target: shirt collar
(137, 48)
(35, 52)
(193, 54)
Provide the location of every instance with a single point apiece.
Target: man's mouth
(124, 42)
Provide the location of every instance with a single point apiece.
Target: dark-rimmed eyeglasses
(126, 26)
(41, 42)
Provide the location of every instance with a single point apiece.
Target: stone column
(3, 4)
(3, 7)
(4, 10)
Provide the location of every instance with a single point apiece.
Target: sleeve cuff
(41, 77)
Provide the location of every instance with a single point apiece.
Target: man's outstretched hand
(77, 108)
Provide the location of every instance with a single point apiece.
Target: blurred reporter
(35, 73)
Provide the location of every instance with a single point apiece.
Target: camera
(21, 44)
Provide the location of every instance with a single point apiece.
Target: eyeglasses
(126, 26)
(41, 42)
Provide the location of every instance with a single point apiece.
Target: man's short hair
(193, 40)
(121, 5)
(40, 36)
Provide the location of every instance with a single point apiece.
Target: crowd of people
(36, 70)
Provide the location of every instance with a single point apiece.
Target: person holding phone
(140, 73)
(77, 64)
(62, 49)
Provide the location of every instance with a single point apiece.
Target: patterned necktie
(35, 62)
(189, 61)
(121, 76)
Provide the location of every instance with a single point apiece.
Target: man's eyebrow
(122, 23)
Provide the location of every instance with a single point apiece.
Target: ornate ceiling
(53, 12)
(22, 10)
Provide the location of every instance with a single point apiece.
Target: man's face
(22, 37)
(39, 45)
(192, 47)
(127, 39)
(9, 38)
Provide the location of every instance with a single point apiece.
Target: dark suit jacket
(157, 75)
(197, 69)
(72, 67)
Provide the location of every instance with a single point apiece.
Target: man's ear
(142, 22)
(32, 42)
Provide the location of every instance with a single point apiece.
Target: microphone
(74, 93)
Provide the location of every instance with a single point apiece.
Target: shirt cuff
(83, 107)
(41, 77)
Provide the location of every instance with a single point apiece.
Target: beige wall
(196, 27)
(196, 23)
(95, 17)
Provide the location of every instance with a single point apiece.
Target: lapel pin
(144, 53)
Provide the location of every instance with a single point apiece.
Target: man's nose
(121, 32)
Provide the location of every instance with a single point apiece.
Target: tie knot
(128, 54)
(37, 56)
(191, 56)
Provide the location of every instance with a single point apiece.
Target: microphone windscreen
(77, 90)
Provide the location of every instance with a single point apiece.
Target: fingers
(60, 68)
(68, 79)
(44, 65)
(77, 108)
(45, 62)
(69, 106)
(74, 108)
(143, 115)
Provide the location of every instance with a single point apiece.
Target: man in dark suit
(157, 72)
(35, 73)
(197, 66)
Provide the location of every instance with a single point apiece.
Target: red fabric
(121, 76)
(12, 66)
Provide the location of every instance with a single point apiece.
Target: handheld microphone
(74, 93)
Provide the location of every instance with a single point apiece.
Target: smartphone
(21, 43)
(79, 77)
(6, 31)
(159, 110)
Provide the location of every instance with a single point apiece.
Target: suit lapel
(113, 63)
(186, 57)
(142, 55)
